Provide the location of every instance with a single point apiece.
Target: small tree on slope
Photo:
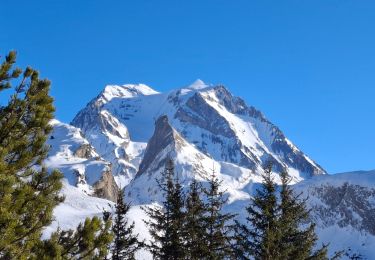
(89, 241)
(296, 242)
(260, 240)
(218, 227)
(125, 242)
(166, 222)
(195, 223)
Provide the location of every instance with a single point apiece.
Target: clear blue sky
(308, 65)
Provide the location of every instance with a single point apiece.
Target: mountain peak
(127, 91)
(198, 84)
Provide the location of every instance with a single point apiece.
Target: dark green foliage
(191, 228)
(218, 227)
(259, 241)
(166, 222)
(28, 193)
(296, 242)
(89, 241)
(279, 227)
(195, 223)
(125, 243)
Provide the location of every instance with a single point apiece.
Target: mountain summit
(121, 120)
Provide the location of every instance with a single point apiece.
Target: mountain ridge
(203, 106)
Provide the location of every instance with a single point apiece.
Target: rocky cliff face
(245, 136)
(85, 151)
(353, 203)
(106, 187)
(162, 138)
(343, 207)
(346, 199)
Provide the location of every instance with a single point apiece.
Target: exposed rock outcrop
(85, 151)
(163, 137)
(352, 203)
(106, 187)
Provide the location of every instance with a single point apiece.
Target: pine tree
(166, 222)
(28, 193)
(125, 242)
(276, 226)
(195, 224)
(296, 242)
(260, 239)
(89, 241)
(218, 226)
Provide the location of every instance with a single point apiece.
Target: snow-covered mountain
(123, 136)
(121, 120)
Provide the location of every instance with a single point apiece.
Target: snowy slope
(71, 154)
(78, 206)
